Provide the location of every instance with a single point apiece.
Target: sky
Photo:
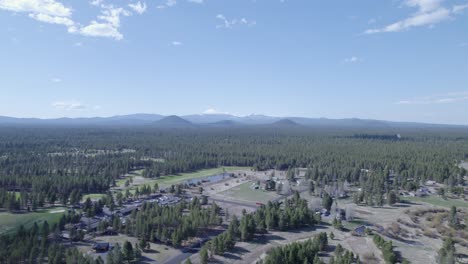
(399, 60)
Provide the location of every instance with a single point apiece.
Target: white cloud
(169, 3)
(68, 105)
(213, 111)
(176, 43)
(437, 99)
(54, 20)
(138, 7)
(429, 13)
(96, 29)
(54, 12)
(229, 23)
(459, 8)
(196, 1)
(47, 11)
(56, 80)
(47, 7)
(352, 59)
(108, 24)
(424, 6)
(96, 2)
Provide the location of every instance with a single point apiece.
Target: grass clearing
(93, 196)
(166, 181)
(356, 222)
(438, 201)
(174, 179)
(158, 252)
(11, 222)
(244, 192)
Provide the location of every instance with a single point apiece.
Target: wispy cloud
(139, 7)
(68, 105)
(96, 2)
(429, 13)
(213, 111)
(352, 59)
(56, 80)
(437, 99)
(47, 11)
(74, 105)
(176, 43)
(107, 24)
(229, 23)
(168, 3)
(196, 1)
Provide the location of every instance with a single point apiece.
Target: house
(127, 210)
(325, 212)
(431, 183)
(101, 247)
(90, 223)
(359, 231)
(340, 214)
(109, 231)
(269, 185)
(107, 212)
(422, 192)
(65, 235)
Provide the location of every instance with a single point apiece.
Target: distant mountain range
(211, 120)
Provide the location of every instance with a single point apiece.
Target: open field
(251, 252)
(464, 165)
(244, 192)
(412, 240)
(157, 253)
(438, 201)
(11, 222)
(93, 196)
(166, 181)
(174, 179)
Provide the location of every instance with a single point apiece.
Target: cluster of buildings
(91, 224)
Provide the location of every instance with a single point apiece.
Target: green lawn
(174, 179)
(354, 223)
(121, 182)
(11, 222)
(438, 201)
(244, 192)
(93, 196)
(166, 181)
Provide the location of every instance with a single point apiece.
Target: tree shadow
(231, 256)
(406, 202)
(151, 251)
(239, 250)
(145, 260)
(266, 238)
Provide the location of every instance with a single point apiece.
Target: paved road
(177, 259)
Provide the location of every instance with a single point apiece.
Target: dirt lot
(252, 252)
(411, 240)
(411, 244)
(157, 253)
(465, 165)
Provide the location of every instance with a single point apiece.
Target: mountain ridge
(225, 120)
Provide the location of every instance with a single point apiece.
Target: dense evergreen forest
(40, 166)
(46, 165)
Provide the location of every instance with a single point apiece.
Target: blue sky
(402, 60)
